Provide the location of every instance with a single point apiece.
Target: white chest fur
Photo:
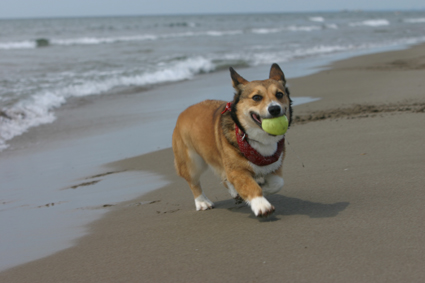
(267, 169)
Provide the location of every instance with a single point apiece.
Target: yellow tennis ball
(275, 126)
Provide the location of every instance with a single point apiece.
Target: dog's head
(258, 100)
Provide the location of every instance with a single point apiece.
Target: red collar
(228, 108)
(251, 153)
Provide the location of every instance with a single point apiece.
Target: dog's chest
(260, 171)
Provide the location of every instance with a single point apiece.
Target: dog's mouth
(256, 118)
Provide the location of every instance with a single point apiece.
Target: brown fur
(203, 136)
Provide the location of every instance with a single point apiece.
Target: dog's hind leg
(232, 192)
(196, 166)
(190, 166)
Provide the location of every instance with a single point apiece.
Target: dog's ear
(237, 80)
(277, 74)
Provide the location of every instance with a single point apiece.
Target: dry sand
(351, 209)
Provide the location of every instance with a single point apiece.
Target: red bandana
(251, 153)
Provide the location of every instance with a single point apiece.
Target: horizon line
(211, 14)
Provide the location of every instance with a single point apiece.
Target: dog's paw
(203, 203)
(261, 207)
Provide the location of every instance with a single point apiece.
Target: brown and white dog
(228, 137)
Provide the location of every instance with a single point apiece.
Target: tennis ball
(275, 126)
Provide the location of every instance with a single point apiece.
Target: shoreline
(171, 207)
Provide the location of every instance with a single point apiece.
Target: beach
(351, 209)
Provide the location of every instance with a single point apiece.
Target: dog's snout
(274, 110)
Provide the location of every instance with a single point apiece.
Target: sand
(351, 209)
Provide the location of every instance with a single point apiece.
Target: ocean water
(44, 62)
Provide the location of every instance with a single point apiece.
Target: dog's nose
(274, 110)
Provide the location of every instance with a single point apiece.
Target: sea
(46, 61)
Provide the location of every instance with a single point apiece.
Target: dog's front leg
(251, 192)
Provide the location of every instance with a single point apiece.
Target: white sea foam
(316, 19)
(266, 30)
(321, 49)
(282, 29)
(371, 23)
(26, 44)
(38, 109)
(180, 71)
(258, 58)
(203, 33)
(414, 20)
(27, 114)
(222, 33)
(214, 33)
(303, 28)
(101, 40)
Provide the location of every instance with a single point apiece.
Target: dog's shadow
(286, 206)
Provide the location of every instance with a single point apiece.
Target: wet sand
(351, 209)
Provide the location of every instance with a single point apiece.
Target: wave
(26, 44)
(221, 33)
(303, 28)
(414, 20)
(29, 44)
(101, 40)
(316, 19)
(44, 42)
(266, 30)
(262, 58)
(96, 40)
(255, 57)
(371, 23)
(38, 109)
(282, 29)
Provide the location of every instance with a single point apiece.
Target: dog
(228, 137)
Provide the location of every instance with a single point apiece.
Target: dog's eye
(279, 95)
(257, 97)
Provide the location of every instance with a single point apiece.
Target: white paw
(203, 203)
(273, 184)
(261, 207)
